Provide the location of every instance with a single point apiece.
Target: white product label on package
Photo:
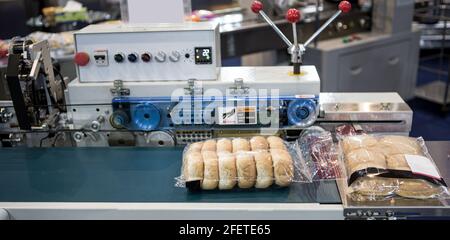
(422, 165)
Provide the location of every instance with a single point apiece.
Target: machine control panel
(152, 52)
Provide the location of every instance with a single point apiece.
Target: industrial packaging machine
(109, 144)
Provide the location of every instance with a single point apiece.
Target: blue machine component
(145, 116)
(302, 112)
(148, 114)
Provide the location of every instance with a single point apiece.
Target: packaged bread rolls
(355, 142)
(224, 145)
(227, 171)
(259, 143)
(211, 170)
(392, 145)
(361, 159)
(417, 189)
(264, 169)
(227, 163)
(397, 162)
(241, 145)
(246, 170)
(283, 167)
(276, 143)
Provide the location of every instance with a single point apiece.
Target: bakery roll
(193, 167)
(264, 169)
(259, 143)
(227, 171)
(418, 189)
(211, 170)
(240, 145)
(246, 170)
(209, 146)
(360, 141)
(276, 143)
(397, 162)
(361, 159)
(195, 147)
(224, 145)
(392, 145)
(283, 167)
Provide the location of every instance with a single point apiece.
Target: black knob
(132, 57)
(119, 57)
(146, 57)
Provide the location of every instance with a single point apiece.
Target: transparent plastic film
(259, 162)
(382, 167)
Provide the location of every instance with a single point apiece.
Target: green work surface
(125, 175)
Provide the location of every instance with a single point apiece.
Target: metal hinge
(238, 87)
(119, 90)
(192, 88)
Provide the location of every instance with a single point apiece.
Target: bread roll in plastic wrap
(211, 170)
(397, 162)
(417, 189)
(276, 143)
(240, 145)
(227, 171)
(360, 141)
(193, 166)
(246, 170)
(259, 143)
(361, 159)
(209, 146)
(264, 169)
(392, 145)
(224, 145)
(283, 167)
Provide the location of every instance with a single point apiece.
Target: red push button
(81, 58)
(293, 15)
(345, 6)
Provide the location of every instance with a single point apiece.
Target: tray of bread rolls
(260, 162)
(386, 167)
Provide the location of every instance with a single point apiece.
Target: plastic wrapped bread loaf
(355, 142)
(361, 159)
(246, 170)
(393, 145)
(397, 162)
(209, 146)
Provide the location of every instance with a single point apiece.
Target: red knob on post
(345, 6)
(293, 15)
(257, 6)
(81, 58)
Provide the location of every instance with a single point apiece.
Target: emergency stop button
(81, 58)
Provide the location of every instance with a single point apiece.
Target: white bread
(193, 168)
(209, 146)
(224, 145)
(418, 189)
(246, 170)
(355, 142)
(264, 169)
(283, 167)
(361, 159)
(227, 171)
(240, 145)
(375, 186)
(211, 170)
(195, 147)
(276, 143)
(259, 143)
(392, 145)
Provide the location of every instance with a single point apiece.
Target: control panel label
(237, 115)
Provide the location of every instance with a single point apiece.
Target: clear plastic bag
(227, 163)
(320, 154)
(383, 167)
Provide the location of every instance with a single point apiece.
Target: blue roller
(302, 112)
(146, 117)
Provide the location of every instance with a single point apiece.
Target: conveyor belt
(124, 175)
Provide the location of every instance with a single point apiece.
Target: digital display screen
(203, 55)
